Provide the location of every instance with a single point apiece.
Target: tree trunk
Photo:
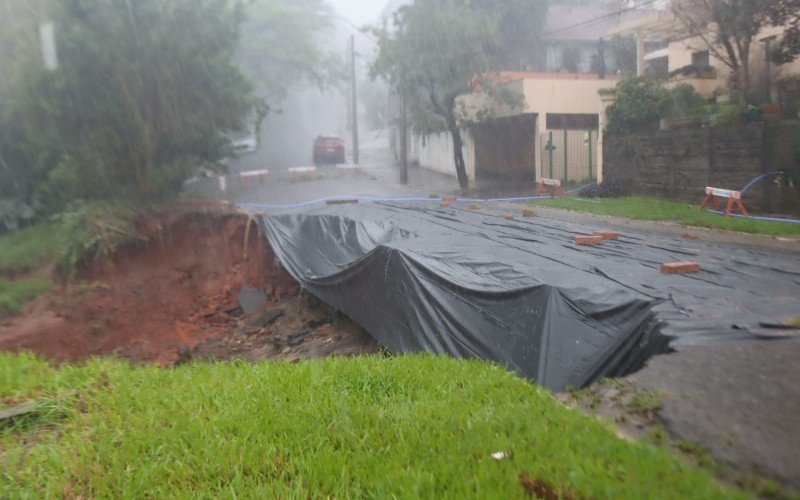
(744, 83)
(458, 154)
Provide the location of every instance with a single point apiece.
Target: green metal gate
(569, 155)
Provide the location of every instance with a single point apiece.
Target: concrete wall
(435, 152)
(679, 164)
(564, 95)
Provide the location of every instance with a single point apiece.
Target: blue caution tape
(754, 217)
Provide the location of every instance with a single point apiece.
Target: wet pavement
(380, 178)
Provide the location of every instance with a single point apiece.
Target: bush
(14, 213)
(641, 103)
(89, 231)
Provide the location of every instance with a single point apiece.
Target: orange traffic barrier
(734, 200)
(551, 186)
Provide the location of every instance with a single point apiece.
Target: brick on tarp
(474, 207)
(444, 204)
(680, 267)
(607, 235)
(588, 240)
(528, 213)
(507, 216)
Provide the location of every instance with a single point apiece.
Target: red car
(328, 150)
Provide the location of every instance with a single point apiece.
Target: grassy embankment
(682, 213)
(340, 427)
(21, 254)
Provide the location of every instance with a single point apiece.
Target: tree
(438, 50)
(786, 13)
(279, 46)
(728, 28)
(641, 103)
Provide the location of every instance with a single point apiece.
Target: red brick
(588, 240)
(507, 216)
(444, 204)
(528, 213)
(607, 235)
(474, 206)
(680, 267)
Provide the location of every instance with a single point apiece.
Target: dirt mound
(174, 287)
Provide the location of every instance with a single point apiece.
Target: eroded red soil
(173, 289)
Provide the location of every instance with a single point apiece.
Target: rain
(399, 248)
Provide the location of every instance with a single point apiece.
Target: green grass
(683, 213)
(24, 250)
(15, 294)
(376, 427)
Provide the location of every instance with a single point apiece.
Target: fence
(569, 155)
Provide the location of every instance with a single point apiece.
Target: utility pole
(403, 139)
(354, 100)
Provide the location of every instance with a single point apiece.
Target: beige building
(552, 133)
(684, 50)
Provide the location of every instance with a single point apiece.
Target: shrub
(89, 231)
(641, 103)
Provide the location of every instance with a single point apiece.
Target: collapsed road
(472, 283)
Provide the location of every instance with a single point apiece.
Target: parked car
(328, 150)
(246, 145)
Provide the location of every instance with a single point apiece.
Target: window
(701, 59)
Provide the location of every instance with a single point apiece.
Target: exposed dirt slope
(177, 286)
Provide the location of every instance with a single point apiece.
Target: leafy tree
(145, 91)
(728, 28)
(438, 50)
(279, 46)
(622, 51)
(786, 13)
(641, 103)
(570, 57)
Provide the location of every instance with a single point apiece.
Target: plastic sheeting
(521, 293)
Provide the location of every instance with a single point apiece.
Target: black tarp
(520, 292)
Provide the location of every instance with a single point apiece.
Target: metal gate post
(591, 172)
(566, 158)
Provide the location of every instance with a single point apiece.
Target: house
(555, 134)
(572, 33)
(687, 58)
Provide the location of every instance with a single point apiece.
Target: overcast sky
(359, 11)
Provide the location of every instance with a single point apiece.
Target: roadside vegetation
(22, 253)
(642, 208)
(24, 250)
(341, 427)
(15, 294)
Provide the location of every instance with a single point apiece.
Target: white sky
(359, 11)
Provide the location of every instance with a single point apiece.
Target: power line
(589, 22)
(359, 29)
